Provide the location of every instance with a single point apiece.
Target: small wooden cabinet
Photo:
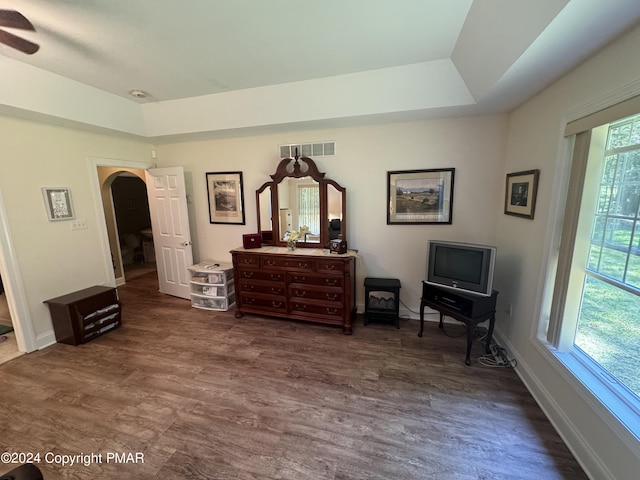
(83, 315)
(305, 284)
(212, 285)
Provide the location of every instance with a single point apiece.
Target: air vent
(319, 149)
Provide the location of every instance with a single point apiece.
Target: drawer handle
(271, 263)
(250, 301)
(302, 265)
(301, 293)
(301, 306)
(247, 274)
(248, 260)
(331, 283)
(332, 311)
(276, 291)
(331, 296)
(275, 276)
(276, 304)
(249, 287)
(330, 267)
(300, 279)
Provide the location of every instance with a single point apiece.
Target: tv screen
(461, 266)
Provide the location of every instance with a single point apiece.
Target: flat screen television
(464, 267)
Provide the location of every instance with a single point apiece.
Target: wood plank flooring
(204, 395)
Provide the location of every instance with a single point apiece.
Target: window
(595, 311)
(309, 208)
(608, 328)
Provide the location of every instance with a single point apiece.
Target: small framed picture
(420, 196)
(226, 197)
(520, 193)
(58, 203)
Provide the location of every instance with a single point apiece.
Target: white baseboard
(45, 340)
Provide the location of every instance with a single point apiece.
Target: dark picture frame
(225, 193)
(420, 197)
(520, 194)
(58, 203)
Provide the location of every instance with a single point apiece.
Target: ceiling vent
(318, 149)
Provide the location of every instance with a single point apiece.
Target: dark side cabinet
(83, 315)
(467, 308)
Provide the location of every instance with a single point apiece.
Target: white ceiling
(391, 59)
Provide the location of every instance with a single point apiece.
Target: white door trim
(12, 281)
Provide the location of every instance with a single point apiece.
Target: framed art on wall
(520, 193)
(420, 196)
(226, 197)
(58, 203)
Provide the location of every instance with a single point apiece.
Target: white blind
(309, 208)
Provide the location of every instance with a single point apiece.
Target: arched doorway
(126, 211)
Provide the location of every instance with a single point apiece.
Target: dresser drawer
(324, 310)
(314, 279)
(268, 303)
(258, 286)
(248, 260)
(303, 291)
(275, 262)
(331, 266)
(264, 275)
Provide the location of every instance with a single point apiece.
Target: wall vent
(318, 149)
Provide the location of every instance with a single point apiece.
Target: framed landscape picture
(420, 196)
(520, 193)
(226, 197)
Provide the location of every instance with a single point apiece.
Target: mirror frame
(298, 167)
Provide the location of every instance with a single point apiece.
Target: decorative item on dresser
(308, 284)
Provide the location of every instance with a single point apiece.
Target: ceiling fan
(14, 19)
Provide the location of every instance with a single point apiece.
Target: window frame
(554, 330)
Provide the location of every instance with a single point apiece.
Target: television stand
(466, 308)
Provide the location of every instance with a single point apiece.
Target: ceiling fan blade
(18, 43)
(13, 19)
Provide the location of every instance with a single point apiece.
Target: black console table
(467, 308)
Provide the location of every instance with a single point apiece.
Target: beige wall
(53, 259)
(535, 141)
(474, 146)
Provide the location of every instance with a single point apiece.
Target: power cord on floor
(498, 358)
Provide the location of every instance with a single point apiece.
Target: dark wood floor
(204, 395)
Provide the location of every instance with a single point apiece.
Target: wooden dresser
(304, 284)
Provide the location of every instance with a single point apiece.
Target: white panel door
(170, 225)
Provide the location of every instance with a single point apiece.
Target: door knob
(185, 243)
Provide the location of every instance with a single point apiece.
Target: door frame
(14, 287)
(94, 163)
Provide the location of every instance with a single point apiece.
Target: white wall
(474, 146)
(535, 141)
(52, 259)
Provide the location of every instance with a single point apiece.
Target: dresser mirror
(300, 195)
